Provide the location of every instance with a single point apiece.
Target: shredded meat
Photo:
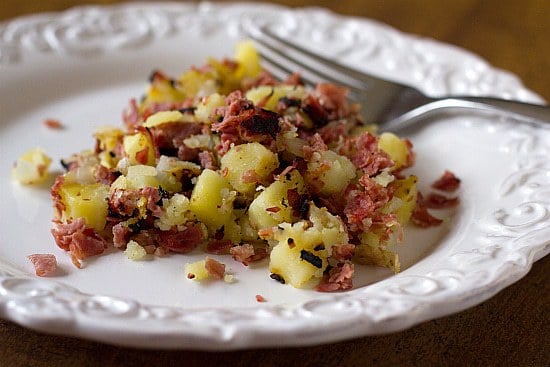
(334, 100)
(343, 252)
(55, 194)
(105, 175)
(207, 160)
(130, 116)
(368, 157)
(124, 202)
(421, 217)
(243, 122)
(214, 268)
(53, 124)
(339, 278)
(168, 139)
(219, 247)
(120, 234)
(44, 264)
(447, 182)
(438, 201)
(81, 241)
(181, 241)
(246, 253)
(363, 202)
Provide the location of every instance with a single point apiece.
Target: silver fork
(392, 106)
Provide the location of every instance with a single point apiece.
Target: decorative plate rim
(519, 231)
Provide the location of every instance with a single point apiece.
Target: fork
(392, 106)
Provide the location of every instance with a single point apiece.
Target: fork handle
(527, 112)
(521, 110)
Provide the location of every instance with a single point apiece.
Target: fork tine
(333, 71)
(281, 71)
(270, 50)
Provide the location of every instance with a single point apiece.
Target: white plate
(83, 65)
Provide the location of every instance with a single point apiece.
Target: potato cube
(207, 105)
(302, 249)
(196, 271)
(85, 201)
(248, 164)
(248, 58)
(139, 149)
(372, 252)
(407, 191)
(330, 172)
(212, 200)
(134, 251)
(176, 212)
(270, 95)
(163, 117)
(395, 147)
(271, 206)
(31, 167)
(140, 176)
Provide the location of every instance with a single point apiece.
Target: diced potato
(247, 163)
(248, 233)
(395, 147)
(170, 171)
(407, 191)
(85, 201)
(271, 206)
(271, 94)
(248, 58)
(139, 149)
(207, 105)
(176, 212)
(232, 231)
(198, 84)
(141, 176)
(108, 138)
(162, 90)
(163, 117)
(31, 167)
(330, 172)
(302, 250)
(197, 270)
(134, 251)
(364, 128)
(372, 252)
(212, 200)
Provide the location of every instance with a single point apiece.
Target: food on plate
(31, 167)
(53, 124)
(228, 160)
(44, 264)
(205, 269)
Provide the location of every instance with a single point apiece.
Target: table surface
(510, 329)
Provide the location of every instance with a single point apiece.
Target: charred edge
(287, 102)
(152, 76)
(136, 227)
(163, 193)
(319, 247)
(311, 258)
(190, 110)
(278, 278)
(65, 165)
(290, 242)
(263, 123)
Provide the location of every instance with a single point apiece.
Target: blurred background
(511, 34)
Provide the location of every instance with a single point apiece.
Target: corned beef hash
(228, 160)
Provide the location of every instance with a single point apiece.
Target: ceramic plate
(82, 66)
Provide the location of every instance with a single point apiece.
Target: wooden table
(511, 329)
